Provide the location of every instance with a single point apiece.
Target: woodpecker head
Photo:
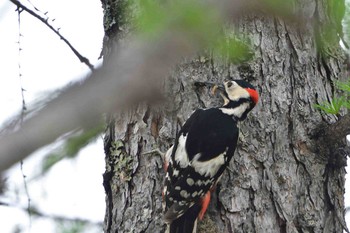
(240, 97)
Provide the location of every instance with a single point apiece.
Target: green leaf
(74, 144)
(333, 107)
(344, 86)
(71, 147)
(49, 161)
(346, 104)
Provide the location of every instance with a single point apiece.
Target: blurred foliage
(195, 20)
(336, 104)
(329, 32)
(71, 146)
(328, 39)
(189, 17)
(346, 24)
(77, 226)
(70, 227)
(235, 50)
(336, 11)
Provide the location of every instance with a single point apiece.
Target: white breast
(238, 111)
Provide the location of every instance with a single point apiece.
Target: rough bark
(284, 177)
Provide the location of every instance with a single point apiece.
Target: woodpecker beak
(204, 84)
(222, 92)
(216, 87)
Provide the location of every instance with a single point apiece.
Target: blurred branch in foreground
(81, 105)
(128, 77)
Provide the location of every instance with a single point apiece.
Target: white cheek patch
(238, 112)
(237, 93)
(181, 155)
(208, 168)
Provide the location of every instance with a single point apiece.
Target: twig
(38, 213)
(27, 194)
(45, 21)
(24, 108)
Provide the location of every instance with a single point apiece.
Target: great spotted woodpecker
(202, 150)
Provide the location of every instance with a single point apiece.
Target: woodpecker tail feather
(187, 223)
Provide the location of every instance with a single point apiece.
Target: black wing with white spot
(201, 152)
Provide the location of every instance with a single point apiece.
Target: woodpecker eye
(230, 84)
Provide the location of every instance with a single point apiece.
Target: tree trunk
(282, 177)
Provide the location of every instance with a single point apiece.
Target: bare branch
(45, 21)
(127, 78)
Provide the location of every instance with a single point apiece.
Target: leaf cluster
(337, 103)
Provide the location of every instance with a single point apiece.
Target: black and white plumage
(203, 148)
